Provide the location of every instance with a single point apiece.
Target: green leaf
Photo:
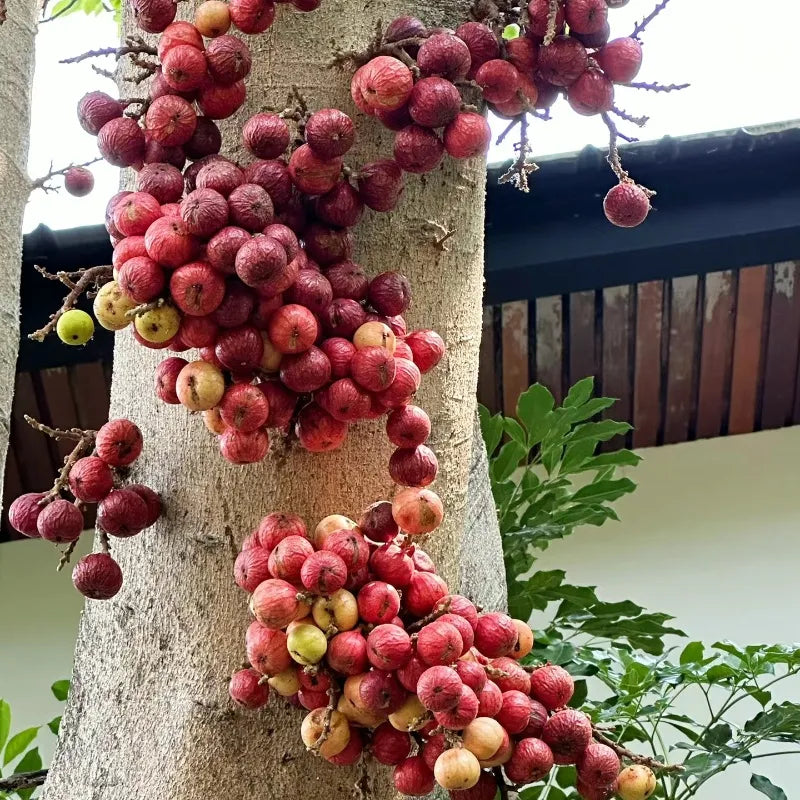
(600, 491)
(515, 431)
(579, 393)
(60, 689)
(508, 459)
(692, 653)
(491, 429)
(590, 409)
(17, 744)
(780, 722)
(532, 407)
(767, 787)
(717, 736)
(599, 431)
(703, 765)
(54, 725)
(619, 458)
(576, 455)
(5, 722)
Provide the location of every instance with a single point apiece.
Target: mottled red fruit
(563, 62)
(122, 513)
(251, 568)
(330, 133)
(97, 576)
(379, 691)
(490, 699)
(266, 135)
(463, 627)
(344, 400)
(293, 329)
(418, 511)
(221, 176)
(244, 407)
(408, 426)
(178, 33)
(373, 368)
(552, 686)
(434, 746)
(498, 80)
(169, 242)
(592, 93)
(78, 181)
(141, 279)
(404, 27)
(306, 372)
(312, 174)
(380, 184)
(274, 603)
(323, 573)
(495, 634)
(391, 564)
(205, 141)
(118, 442)
(134, 214)
(484, 789)
(439, 688)
(378, 602)
(390, 746)
(204, 212)
(355, 746)
(514, 711)
(377, 523)
(312, 290)
(196, 288)
(24, 512)
(341, 206)
(388, 646)
(460, 715)
(162, 181)
(277, 526)
(445, 55)
(418, 149)
(252, 16)
(288, 238)
(536, 720)
(244, 448)
(340, 352)
(282, 403)
(236, 306)
(151, 499)
(538, 17)
(481, 42)
(343, 317)
(90, 479)
(439, 643)
(266, 648)
(318, 431)
(627, 204)
(598, 765)
(593, 792)
(390, 293)
(171, 120)
(347, 653)
(531, 760)
(250, 207)
(95, 109)
(427, 348)
(327, 245)
(423, 592)
(409, 673)
(59, 521)
(514, 677)
(219, 102)
(472, 674)
(262, 263)
(394, 120)
(468, 135)
(229, 59)
(422, 562)
(198, 331)
(348, 280)
(153, 16)
(523, 53)
(240, 349)
(184, 68)
(247, 690)
(384, 83)
(129, 247)
(413, 777)
(434, 102)
(223, 246)
(567, 733)
(585, 16)
(413, 466)
(620, 59)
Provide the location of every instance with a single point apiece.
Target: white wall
(712, 536)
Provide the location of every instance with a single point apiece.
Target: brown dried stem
(134, 45)
(66, 555)
(622, 114)
(23, 780)
(636, 758)
(649, 18)
(105, 73)
(41, 183)
(93, 276)
(76, 434)
(518, 172)
(378, 47)
(552, 17)
(145, 307)
(659, 87)
(613, 149)
(434, 615)
(105, 547)
(333, 696)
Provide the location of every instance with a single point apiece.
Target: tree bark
(16, 68)
(148, 714)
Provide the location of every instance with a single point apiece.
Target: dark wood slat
(582, 343)
(91, 394)
(616, 358)
(780, 367)
(59, 404)
(680, 364)
(12, 488)
(747, 347)
(36, 465)
(515, 354)
(487, 374)
(716, 353)
(647, 378)
(550, 344)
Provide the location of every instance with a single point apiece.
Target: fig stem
(623, 752)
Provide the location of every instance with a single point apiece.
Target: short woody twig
(613, 150)
(75, 434)
(66, 555)
(518, 172)
(23, 780)
(91, 277)
(333, 696)
(137, 311)
(649, 18)
(622, 114)
(134, 45)
(659, 87)
(42, 183)
(552, 18)
(67, 8)
(510, 127)
(636, 758)
(105, 73)
(443, 609)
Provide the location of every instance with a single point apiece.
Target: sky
(741, 70)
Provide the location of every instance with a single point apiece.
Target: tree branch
(134, 45)
(41, 183)
(623, 752)
(443, 609)
(659, 87)
(648, 19)
(519, 170)
(24, 780)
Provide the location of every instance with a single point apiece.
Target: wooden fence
(688, 358)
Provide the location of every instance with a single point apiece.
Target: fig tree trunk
(148, 714)
(16, 71)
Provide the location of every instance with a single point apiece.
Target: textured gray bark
(148, 715)
(16, 76)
